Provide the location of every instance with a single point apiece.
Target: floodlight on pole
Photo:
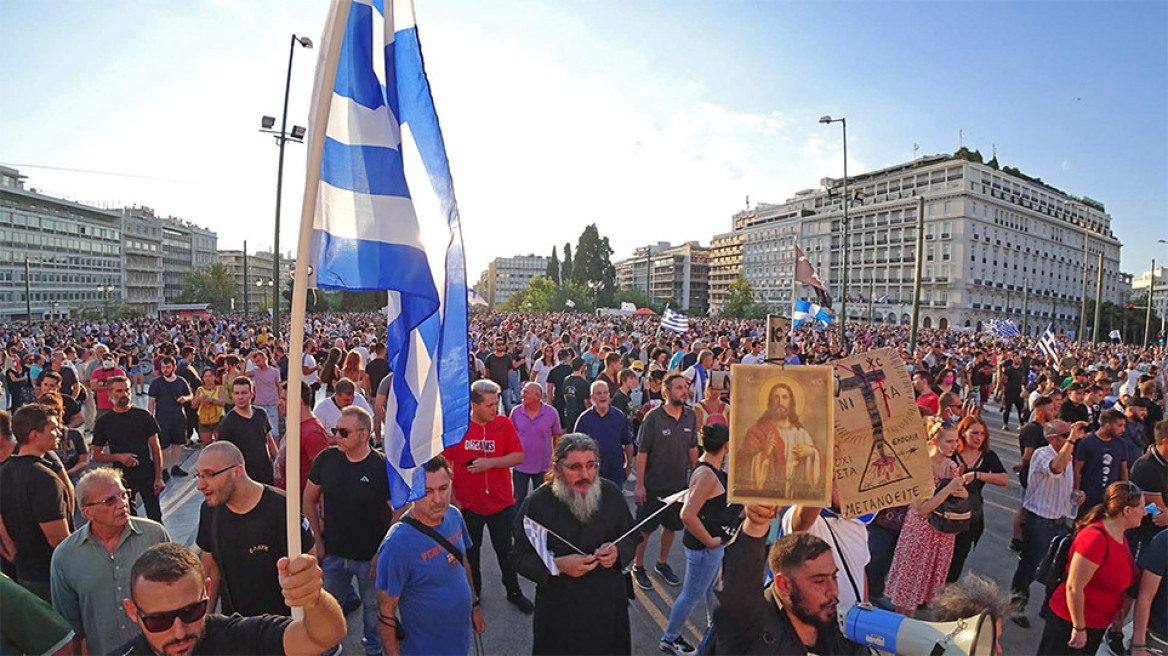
(844, 250)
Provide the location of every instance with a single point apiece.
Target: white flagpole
(794, 287)
(331, 51)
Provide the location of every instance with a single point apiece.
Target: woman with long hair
(354, 370)
(330, 369)
(974, 456)
(19, 387)
(707, 519)
(946, 381)
(209, 401)
(923, 554)
(543, 365)
(1100, 570)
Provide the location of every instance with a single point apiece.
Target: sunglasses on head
(159, 622)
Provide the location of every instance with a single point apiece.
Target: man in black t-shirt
(169, 602)
(131, 435)
(1150, 473)
(51, 383)
(576, 394)
(1074, 408)
(242, 534)
(555, 383)
(37, 511)
(357, 515)
(248, 428)
(1013, 379)
(168, 393)
(1031, 436)
(499, 366)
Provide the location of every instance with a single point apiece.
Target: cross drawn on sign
(883, 465)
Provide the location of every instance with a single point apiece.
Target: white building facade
(505, 276)
(995, 246)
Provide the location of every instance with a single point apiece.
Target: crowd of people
(587, 436)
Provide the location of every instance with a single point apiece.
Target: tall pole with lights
(844, 252)
(282, 137)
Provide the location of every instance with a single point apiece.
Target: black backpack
(1052, 569)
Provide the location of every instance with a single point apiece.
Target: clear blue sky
(655, 120)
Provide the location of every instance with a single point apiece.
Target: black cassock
(589, 614)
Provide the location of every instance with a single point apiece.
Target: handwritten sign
(881, 456)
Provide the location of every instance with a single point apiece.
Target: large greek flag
(807, 311)
(366, 234)
(1048, 344)
(1001, 328)
(674, 322)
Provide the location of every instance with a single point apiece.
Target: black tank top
(712, 515)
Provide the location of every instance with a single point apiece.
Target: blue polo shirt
(612, 434)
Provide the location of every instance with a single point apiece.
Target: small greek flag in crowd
(1115, 334)
(807, 311)
(1048, 344)
(537, 535)
(883, 298)
(674, 322)
(1001, 328)
(474, 298)
(570, 303)
(370, 89)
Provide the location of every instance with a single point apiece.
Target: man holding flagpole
(583, 606)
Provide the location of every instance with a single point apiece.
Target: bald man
(241, 533)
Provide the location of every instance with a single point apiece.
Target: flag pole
(326, 77)
(794, 287)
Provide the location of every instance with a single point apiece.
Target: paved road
(509, 631)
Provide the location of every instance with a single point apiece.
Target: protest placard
(781, 434)
(778, 330)
(881, 455)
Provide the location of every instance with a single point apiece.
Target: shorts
(208, 428)
(172, 433)
(670, 518)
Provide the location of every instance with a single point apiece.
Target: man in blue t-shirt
(420, 583)
(1150, 621)
(1101, 459)
(610, 429)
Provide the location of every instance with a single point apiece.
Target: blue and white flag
(807, 311)
(537, 535)
(1115, 334)
(674, 322)
(371, 88)
(1001, 328)
(474, 298)
(1048, 344)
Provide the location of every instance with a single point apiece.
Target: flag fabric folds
(537, 535)
(807, 311)
(474, 298)
(366, 233)
(1001, 328)
(1115, 334)
(805, 274)
(674, 322)
(1048, 344)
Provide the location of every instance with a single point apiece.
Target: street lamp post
(282, 137)
(105, 291)
(269, 283)
(844, 253)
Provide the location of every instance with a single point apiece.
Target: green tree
(593, 265)
(213, 284)
(740, 301)
(553, 267)
(566, 267)
(544, 295)
(349, 301)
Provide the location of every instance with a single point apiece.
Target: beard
(584, 505)
(821, 618)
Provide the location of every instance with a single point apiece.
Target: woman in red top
(1100, 569)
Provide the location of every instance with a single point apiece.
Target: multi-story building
(258, 281)
(725, 266)
(142, 267)
(678, 275)
(506, 275)
(72, 253)
(996, 245)
(1139, 291)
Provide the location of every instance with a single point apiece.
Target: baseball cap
(1078, 387)
(1060, 428)
(638, 365)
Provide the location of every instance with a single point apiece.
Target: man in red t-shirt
(926, 397)
(482, 464)
(108, 369)
(313, 438)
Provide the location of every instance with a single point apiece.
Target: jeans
(501, 541)
(881, 545)
(701, 570)
(1037, 534)
(273, 412)
(520, 480)
(338, 580)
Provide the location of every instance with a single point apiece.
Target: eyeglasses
(110, 501)
(204, 476)
(159, 622)
(345, 432)
(577, 467)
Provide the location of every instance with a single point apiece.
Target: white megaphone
(894, 633)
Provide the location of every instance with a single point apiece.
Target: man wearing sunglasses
(90, 571)
(169, 601)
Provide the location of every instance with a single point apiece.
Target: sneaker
(677, 646)
(522, 603)
(1016, 545)
(1022, 621)
(165, 475)
(1114, 640)
(642, 578)
(666, 573)
(179, 471)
